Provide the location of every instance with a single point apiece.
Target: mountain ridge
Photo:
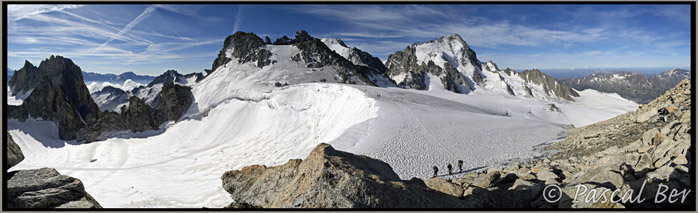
(631, 85)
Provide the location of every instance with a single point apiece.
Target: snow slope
(182, 166)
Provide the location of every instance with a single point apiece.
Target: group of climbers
(450, 168)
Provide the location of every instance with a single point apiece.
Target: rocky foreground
(634, 159)
(42, 188)
(329, 178)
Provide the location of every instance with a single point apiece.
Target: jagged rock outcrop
(174, 101)
(355, 55)
(634, 86)
(14, 153)
(549, 84)
(329, 178)
(138, 116)
(48, 102)
(245, 47)
(621, 154)
(309, 53)
(46, 188)
(65, 76)
(315, 54)
(57, 83)
(25, 79)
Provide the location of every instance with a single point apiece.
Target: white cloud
(130, 25)
(17, 12)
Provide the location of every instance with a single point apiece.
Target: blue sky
(149, 39)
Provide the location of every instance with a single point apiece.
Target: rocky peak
(454, 63)
(329, 178)
(65, 76)
(50, 103)
(24, 79)
(491, 66)
(176, 77)
(549, 84)
(168, 76)
(355, 55)
(302, 36)
(245, 47)
(676, 72)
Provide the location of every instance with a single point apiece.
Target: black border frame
(693, 98)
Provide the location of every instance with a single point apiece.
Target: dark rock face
(550, 85)
(50, 103)
(245, 47)
(360, 58)
(328, 178)
(25, 79)
(316, 55)
(138, 116)
(14, 153)
(76, 120)
(634, 86)
(66, 77)
(175, 100)
(46, 188)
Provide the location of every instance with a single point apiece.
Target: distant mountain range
(117, 79)
(634, 86)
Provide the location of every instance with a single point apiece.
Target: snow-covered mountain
(112, 98)
(326, 92)
(457, 68)
(303, 59)
(116, 79)
(634, 86)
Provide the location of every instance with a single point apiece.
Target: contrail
(238, 19)
(130, 25)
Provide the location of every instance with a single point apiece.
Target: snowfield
(182, 166)
(239, 118)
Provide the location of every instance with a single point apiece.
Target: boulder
(46, 188)
(602, 175)
(444, 186)
(648, 136)
(329, 178)
(646, 115)
(529, 190)
(14, 153)
(484, 181)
